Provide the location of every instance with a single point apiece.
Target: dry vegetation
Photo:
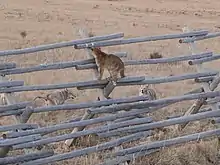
(27, 23)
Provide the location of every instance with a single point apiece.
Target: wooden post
(205, 85)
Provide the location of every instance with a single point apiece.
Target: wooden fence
(128, 125)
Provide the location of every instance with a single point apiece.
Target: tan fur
(112, 63)
(57, 97)
(145, 90)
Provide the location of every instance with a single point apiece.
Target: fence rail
(27, 157)
(153, 61)
(127, 81)
(140, 39)
(58, 65)
(60, 45)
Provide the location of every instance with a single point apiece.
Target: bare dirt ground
(49, 21)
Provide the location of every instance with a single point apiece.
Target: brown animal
(111, 62)
(57, 97)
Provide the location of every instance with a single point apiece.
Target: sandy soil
(47, 21)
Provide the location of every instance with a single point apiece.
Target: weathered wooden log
(192, 39)
(91, 104)
(145, 104)
(100, 84)
(17, 126)
(53, 66)
(19, 140)
(78, 106)
(203, 60)
(16, 106)
(86, 151)
(12, 112)
(26, 157)
(60, 45)
(167, 143)
(152, 61)
(8, 84)
(212, 101)
(216, 120)
(140, 39)
(149, 80)
(7, 66)
(81, 133)
(159, 124)
(103, 83)
(204, 79)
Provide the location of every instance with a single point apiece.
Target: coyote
(57, 97)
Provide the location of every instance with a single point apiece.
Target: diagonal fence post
(205, 85)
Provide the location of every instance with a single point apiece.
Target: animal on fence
(57, 97)
(111, 62)
(145, 90)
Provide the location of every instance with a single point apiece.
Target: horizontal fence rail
(205, 59)
(153, 61)
(145, 104)
(101, 84)
(75, 84)
(53, 66)
(60, 45)
(16, 106)
(140, 39)
(10, 142)
(189, 40)
(160, 124)
(100, 147)
(169, 142)
(7, 66)
(204, 79)
(148, 80)
(17, 126)
(81, 133)
(78, 106)
(26, 157)
(8, 84)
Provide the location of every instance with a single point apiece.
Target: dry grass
(55, 21)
